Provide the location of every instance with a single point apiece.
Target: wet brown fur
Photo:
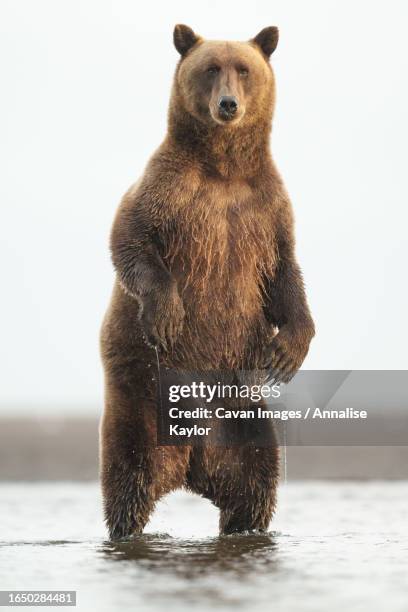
(203, 247)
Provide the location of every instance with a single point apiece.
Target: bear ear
(267, 40)
(184, 38)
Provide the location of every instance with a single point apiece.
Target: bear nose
(228, 105)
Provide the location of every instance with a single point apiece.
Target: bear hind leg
(242, 483)
(135, 472)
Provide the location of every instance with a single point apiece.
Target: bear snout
(227, 107)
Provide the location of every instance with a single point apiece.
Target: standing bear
(203, 248)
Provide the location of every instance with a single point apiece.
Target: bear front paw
(286, 353)
(162, 319)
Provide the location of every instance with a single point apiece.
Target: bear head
(225, 83)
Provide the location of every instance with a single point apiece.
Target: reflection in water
(239, 554)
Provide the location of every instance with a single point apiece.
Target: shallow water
(333, 546)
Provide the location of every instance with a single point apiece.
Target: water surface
(332, 546)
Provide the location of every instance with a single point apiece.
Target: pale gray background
(84, 92)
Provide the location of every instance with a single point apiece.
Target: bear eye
(242, 71)
(213, 70)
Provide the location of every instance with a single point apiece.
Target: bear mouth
(226, 117)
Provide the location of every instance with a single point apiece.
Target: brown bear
(203, 248)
